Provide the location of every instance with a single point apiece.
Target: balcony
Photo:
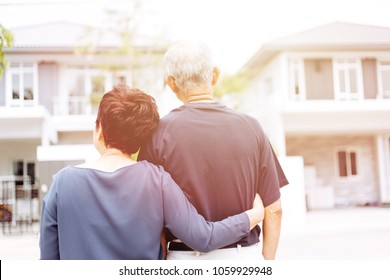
(25, 123)
(73, 113)
(73, 105)
(336, 116)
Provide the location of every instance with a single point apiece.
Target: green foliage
(6, 41)
(231, 84)
(97, 89)
(131, 52)
(116, 24)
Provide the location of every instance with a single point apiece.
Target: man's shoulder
(245, 117)
(252, 123)
(180, 115)
(172, 116)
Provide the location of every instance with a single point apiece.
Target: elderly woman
(116, 208)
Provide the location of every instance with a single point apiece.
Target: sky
(234, 29)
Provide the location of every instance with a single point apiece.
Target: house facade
(49, 95)
(324, 94)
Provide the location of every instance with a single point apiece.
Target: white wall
(264, 98)
(293, 195)
(320, 151)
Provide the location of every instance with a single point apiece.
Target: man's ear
(172, 84)
(216, 73)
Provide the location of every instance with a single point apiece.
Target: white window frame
(20, 70)
(380, 68)
(346, 64)
(298, 66)
(348, 151)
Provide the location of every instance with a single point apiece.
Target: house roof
(63, 36)
(336, 36)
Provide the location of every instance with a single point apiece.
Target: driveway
(340, 234)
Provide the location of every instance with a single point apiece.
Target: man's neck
(199, 94)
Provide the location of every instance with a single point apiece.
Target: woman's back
(108, 215)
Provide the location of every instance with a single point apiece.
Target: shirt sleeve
(48, 240)
(271, 177)
(182, 219)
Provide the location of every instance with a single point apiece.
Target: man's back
(219, 157)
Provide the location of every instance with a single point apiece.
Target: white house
(48, 94)
(324, 94)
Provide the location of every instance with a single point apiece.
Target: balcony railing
(73, 105)
(363, 105)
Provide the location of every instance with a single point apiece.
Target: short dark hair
(127, 117)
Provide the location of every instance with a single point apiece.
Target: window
(21, 169)
(319, 81)
(346, 163)
(85, 87)
(25, 180)
(77, 90)
(22, 84)
(148, 78)
(348, 79)
(297, 91)
(384, 79)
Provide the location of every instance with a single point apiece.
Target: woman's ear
(99, 133)
(98, 138)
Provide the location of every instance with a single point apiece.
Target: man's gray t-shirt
(219, 157)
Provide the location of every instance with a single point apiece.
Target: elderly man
(220, 157)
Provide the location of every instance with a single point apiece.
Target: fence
(19, 204)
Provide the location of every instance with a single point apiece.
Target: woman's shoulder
(156, 172)
(151, 167)
(63, 172)
(61, 175)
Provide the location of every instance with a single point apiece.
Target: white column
(280, 137)
(293, 195)
(282, 98)
(383, 154)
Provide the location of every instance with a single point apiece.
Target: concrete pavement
(339, 234)
(344, 234)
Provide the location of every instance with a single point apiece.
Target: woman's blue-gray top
(92, 214)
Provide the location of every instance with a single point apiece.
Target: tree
(232, 84)
(123, 27)
(6, 41)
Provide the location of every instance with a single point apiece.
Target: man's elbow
(274, 209)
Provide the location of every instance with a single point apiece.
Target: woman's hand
(256, 214)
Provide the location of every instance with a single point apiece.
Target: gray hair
(190, 64)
